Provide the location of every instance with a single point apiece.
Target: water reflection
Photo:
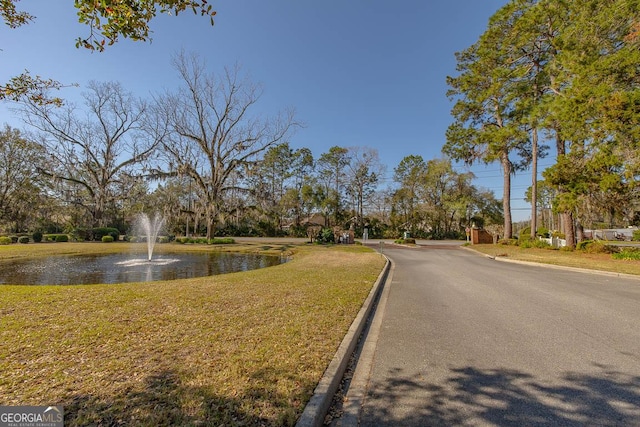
(122, 268)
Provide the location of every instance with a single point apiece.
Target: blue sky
(358, 73)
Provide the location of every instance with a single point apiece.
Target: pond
(123, 268)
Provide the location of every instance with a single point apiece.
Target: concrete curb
(356, 395)
(318, 406)
(555, 267)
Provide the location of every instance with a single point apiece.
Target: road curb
(318, 406)
(554, 266)
(356, 394)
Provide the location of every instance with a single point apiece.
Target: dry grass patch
(579, 259)
(244, 348)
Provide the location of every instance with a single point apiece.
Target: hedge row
(205, 241)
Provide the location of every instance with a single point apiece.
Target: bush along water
(96, 234)
(203, 240)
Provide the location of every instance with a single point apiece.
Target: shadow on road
(502, 397)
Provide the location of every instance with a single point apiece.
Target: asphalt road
(468, 341)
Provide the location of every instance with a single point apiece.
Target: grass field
(236, 349)
(578, 259)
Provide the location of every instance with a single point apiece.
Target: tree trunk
(534, 182)
(506, 195)
(569, 234)
(209, 228)
(210, 221)
(566, 217)
(360, 210)
(579, 232)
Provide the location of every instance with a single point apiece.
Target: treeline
(202, 158)
(281, 192)
(564, 73)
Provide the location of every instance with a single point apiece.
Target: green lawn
(579, 259)
(244, 348)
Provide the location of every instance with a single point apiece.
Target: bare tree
(95, 151)
(212, 133)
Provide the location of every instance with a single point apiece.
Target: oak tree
(214, 134)
(107, 21)
(96, 152)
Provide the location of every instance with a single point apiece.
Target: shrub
(81, 234)
(62, 238)
(540, 244)
(163, 239)
(37, 236)
(100, 232)
(508, 242)
(525, 235)
(543, 232)
(596, 247)
(197, 240)
(107, 239)
(408, 240)
(525, 244)
(14, 239)
(537, 243)
(629, 254)
(325, 236)
(4, 240)
(23, 239)
(636, 235)
(221, 241)
(581, 246)
(298, 231)
(599, 248)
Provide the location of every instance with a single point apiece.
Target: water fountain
(121, 268)
(150, 229)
